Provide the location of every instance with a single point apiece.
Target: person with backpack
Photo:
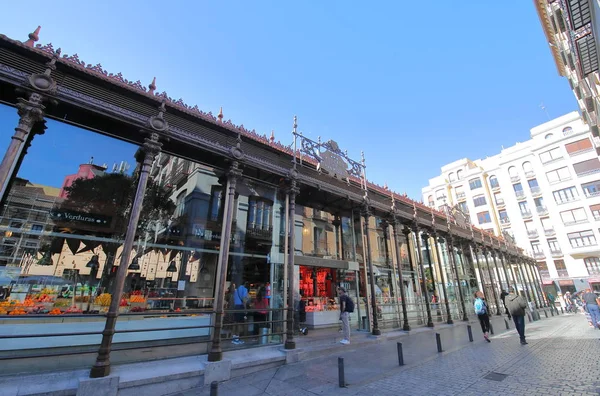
(481, 310)
(346, 308)
(516, 306)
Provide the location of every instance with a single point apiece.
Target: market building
(210, 206)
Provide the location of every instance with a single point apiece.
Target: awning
(310, 261)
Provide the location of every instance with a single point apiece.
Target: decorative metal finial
(152, 86)
(272, 138)
(362, 156)
(220, 116)
(295, 124)
(319, 140)
(393, 201)
(33, 37)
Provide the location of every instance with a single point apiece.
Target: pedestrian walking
(503, 295)
(481, 309)
(346, 308)
(591, 303)
(516, 306)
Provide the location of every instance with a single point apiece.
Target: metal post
(292, 192)
(438, 341)
(405, 325)
(475, 254)
(216, 352)
(430, 259)
(151, 148)
(538, 280)
(525, 283)
(400, 355)
(366, 213)
(537, 285)
(441, 268)
(487, 262)
(491, 328)
(546, 313)
(504, 270)
(423, 279)
(341, 376)
(470, 332)
(506, 324)
(531, 284)
(450, 249)
(214, 388)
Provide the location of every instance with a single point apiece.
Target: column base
(100, 371)
(376, 332)
(217, 371)
(430, 324)
(290, 344)
(406, 327)
(215, 356)
(450, 321)
(98, 387)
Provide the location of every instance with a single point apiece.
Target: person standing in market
(503, 295)
(591, 303)
(481, 309)
(516, 306)
(346, 308)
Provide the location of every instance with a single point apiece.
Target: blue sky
(414, 84)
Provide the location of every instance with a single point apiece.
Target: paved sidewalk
(537, 368)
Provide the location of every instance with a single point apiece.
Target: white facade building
(544, 192)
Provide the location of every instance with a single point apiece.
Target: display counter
(322, 312)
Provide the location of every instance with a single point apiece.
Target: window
(503, 215)
(452, 177)
(524, 206)
(259, 213)
(539, 202)
(463, 207)
(532, 183)
(37, 227)
(527, 167)
(430, 200)
(479, 200)
(498, 199)
(579, 146)
(460, 192)
(494, 182)
(529, 226)
(551, 155)
(567, 131)
(518, 187)
(558, 175)
(548, 136)
(553, 245)
(459, 174)
(565, 195)
(591, 189)
(512, 171)
(320, 241)
(560, 265)
(593, 265)
(484, 217)
(582, 238)
(587, 167)
(573, 216)
(547, 224)
(475, 183)
(595, 211)
(535, 246)
(180, 204)
(216, 203)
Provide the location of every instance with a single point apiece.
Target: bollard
(214, 388)
(400, 355)
(552, 311)
(491, 329)
(562, 311)
(438, 340)
(470, 331)
(506, 324)
(342, 380)
(546, 313)
(529, 317)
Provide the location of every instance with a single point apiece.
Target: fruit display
(62, 302)
(47, 290)
(73, 310)
(17, 311)
(43, 298)
(123, 303)
(28, 303)
(137, 309)
(137, 299)
(103, 299)
(55, 311)
(3, 312)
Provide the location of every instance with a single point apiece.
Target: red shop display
(317, 282)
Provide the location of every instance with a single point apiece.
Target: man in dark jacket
(516, 306)
(503, 295)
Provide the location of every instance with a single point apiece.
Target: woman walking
(481, 310)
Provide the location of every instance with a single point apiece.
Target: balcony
(574, 222)
(536, 191)
(526, 215)
(593, 271)
(556, 253)
(461, 196)
(495, 187)
(549, 232)
(500, 203)
(590, 194)
(567, 200)
(181, 173)
(520, 195)
(515, 179)
(505, 221)
(545, 274)
(532, 234)
(259, 233)
(539, 255)
(530, 174)
(562, 273)
(541, 210)
(319, 215)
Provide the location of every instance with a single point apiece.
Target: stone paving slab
(546, 366)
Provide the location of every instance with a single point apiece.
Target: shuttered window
(578, 146)
(595, 211)
(587, 167)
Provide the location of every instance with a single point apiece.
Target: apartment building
(544, 192)
(572, 29)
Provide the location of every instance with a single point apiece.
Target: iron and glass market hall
(133, 222)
